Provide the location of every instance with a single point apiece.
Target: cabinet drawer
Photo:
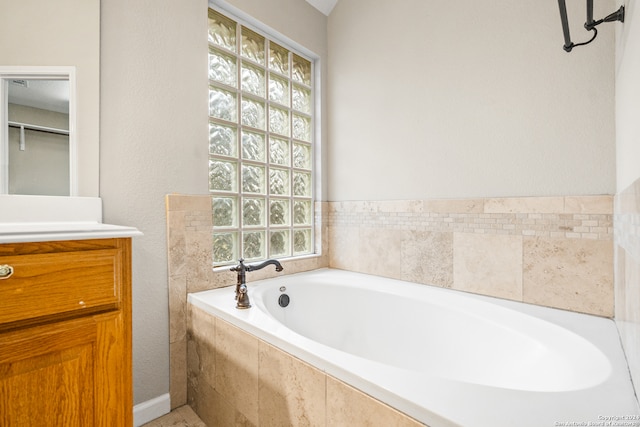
(59, 284)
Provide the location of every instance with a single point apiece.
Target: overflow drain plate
(283, 300)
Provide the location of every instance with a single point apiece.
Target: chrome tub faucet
(242, 296)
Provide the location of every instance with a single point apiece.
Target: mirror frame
(32, 73)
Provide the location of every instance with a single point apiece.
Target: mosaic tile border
(542, 217)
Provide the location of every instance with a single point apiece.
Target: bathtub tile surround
(457, 244)
(627, 283)
(189, 235)
(551, 251)
(282, 381)
(238, 379)
(351, 407)
(489, 264)
(556, 272)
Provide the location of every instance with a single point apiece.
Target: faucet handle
(240, 266)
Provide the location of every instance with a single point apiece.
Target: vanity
(65, 314)
(65, 276)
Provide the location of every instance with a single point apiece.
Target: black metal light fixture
(590, 25)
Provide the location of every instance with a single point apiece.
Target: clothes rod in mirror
(589, 25)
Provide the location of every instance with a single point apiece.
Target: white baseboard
(151, 409)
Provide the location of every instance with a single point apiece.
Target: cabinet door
(47, 375)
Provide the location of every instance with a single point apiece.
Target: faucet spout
(242, 295)
(264, 264)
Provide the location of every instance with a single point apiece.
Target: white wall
(61, 33)
(628, 98)
(468, 99)
(154, 138)
(153, 141)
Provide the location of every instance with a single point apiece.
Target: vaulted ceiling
(324, 6)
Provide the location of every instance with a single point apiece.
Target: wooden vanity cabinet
(65, 334)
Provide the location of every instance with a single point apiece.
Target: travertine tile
(589, 204)
(190, 418)
(202, 341)
(291, 392)
(525, 205)
(574, 275)
(176, 243)
(454, 205)
(488, 264)
(236, 376)
(199, 260)
(177, 308)
(427, 257)
(203, 399)
(185, 202)
(180, 417)
(343, 253)
(347, 406)
(224, 413)
(413, 206)
(178, 373)
(380, 251)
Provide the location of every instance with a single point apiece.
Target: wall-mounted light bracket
(590, 24)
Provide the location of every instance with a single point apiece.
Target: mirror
(37, 138)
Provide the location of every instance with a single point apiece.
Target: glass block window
(260, 145)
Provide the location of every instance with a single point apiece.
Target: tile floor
(180, 417)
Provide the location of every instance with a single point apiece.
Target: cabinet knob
(5, 271)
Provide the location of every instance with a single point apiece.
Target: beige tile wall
(190, 239)
(552, 251)
(236, 379)
(627, 277)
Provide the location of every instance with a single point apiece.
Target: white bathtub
(443, 357)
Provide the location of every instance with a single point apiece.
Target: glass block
(225, 247)
(278, 90)
(279, 151)
(301, 70)
(222, 175)
(252, 113)
(253, 212)
(302, 184)
(253, 146)
(252, 45)
(301, 128)
(222, 68)
(302, 212)
(254, 244)
(222, 104)
(279, 182)
(252, 80)
(302, 242)
(279, 212)
(225, 211)
(222, 140)
(279, 244)
(301, 156)
(279, 121)
(278, 58)
(301, 99)
(222, 30)
(253, 179)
